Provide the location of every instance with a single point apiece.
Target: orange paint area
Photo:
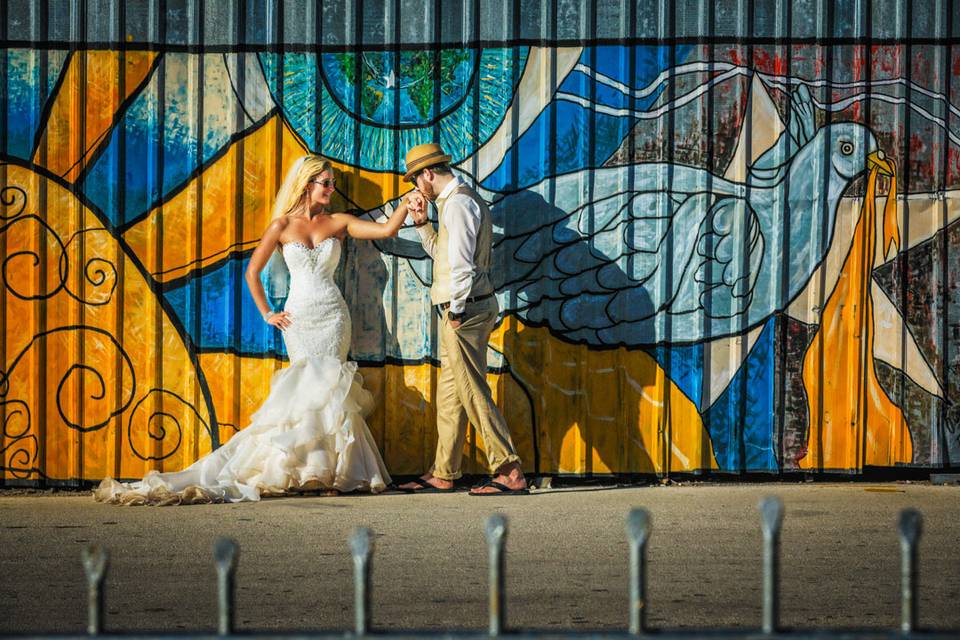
(238, 386)
(852, 421)
(85, 105)
(96, 378)
(230, 202)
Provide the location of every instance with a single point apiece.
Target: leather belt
(443, 306)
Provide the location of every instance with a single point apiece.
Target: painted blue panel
(579, 128)
(529, 157)
(25, 100)
(141, 143)
(613, 62)
(578, 83)
(684, 366)
(744, 412)
(219, 327)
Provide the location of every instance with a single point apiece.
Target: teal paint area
(368, 108)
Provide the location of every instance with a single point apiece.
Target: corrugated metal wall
(726, 231)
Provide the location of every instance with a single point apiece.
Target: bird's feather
(770, 166)
(803, 122)
(728, 259)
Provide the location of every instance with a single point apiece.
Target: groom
(463, 295)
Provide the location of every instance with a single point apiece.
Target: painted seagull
(659, 253)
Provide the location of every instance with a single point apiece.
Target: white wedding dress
(309, 433)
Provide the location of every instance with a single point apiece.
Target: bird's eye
(846, 148)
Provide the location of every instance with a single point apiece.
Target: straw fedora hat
(422, 156)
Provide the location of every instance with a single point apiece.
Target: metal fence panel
(698, 267)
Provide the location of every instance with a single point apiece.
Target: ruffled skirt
(309, 434)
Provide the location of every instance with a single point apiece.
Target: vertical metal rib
(909, 528)
(771, 520)
(225, 555)
(361, 547)
(95, 560)
(638, 531)
(496, 538)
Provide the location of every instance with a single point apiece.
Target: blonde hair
(293, 190)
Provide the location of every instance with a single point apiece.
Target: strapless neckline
(308, 248)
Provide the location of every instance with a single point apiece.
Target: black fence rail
(226, 554)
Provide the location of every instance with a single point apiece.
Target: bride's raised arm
(370, 230)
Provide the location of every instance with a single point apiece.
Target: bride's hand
(417, 207)
(281, 320)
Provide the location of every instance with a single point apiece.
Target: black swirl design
(100, 273)
(19, 445)
(19, 267)
(162, 420)
(26, 261)
(10, 197)
(98, 406)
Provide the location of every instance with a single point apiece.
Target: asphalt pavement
(566, 562)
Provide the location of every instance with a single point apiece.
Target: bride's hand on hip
(281, 320)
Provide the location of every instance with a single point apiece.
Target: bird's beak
(879, 160)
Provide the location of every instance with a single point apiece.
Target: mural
(710, 258)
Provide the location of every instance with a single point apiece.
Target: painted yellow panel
(612, 411)
(404, 422)
(405, 417)
(103, 377)
(260, 180)
(90, 90)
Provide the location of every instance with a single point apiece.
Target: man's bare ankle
(512, 471)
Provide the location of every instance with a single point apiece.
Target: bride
(310, 433)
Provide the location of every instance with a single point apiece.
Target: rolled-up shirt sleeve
(428, 238)
(461, 217)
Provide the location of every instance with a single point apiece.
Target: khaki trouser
(463, 393)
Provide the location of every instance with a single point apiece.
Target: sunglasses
(326, 184)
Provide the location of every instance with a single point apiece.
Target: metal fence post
(496, 537)
(638, 530)
(909, 527)
(361, 547)
(225, 555)
(771, 520)
(95, 560)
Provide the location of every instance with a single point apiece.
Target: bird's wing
(728, 259)
(566, 249)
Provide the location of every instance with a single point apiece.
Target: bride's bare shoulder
(276, 228)
(280, 224)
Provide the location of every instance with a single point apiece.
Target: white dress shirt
(461, 218)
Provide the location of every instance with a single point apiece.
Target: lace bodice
(320, 320)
